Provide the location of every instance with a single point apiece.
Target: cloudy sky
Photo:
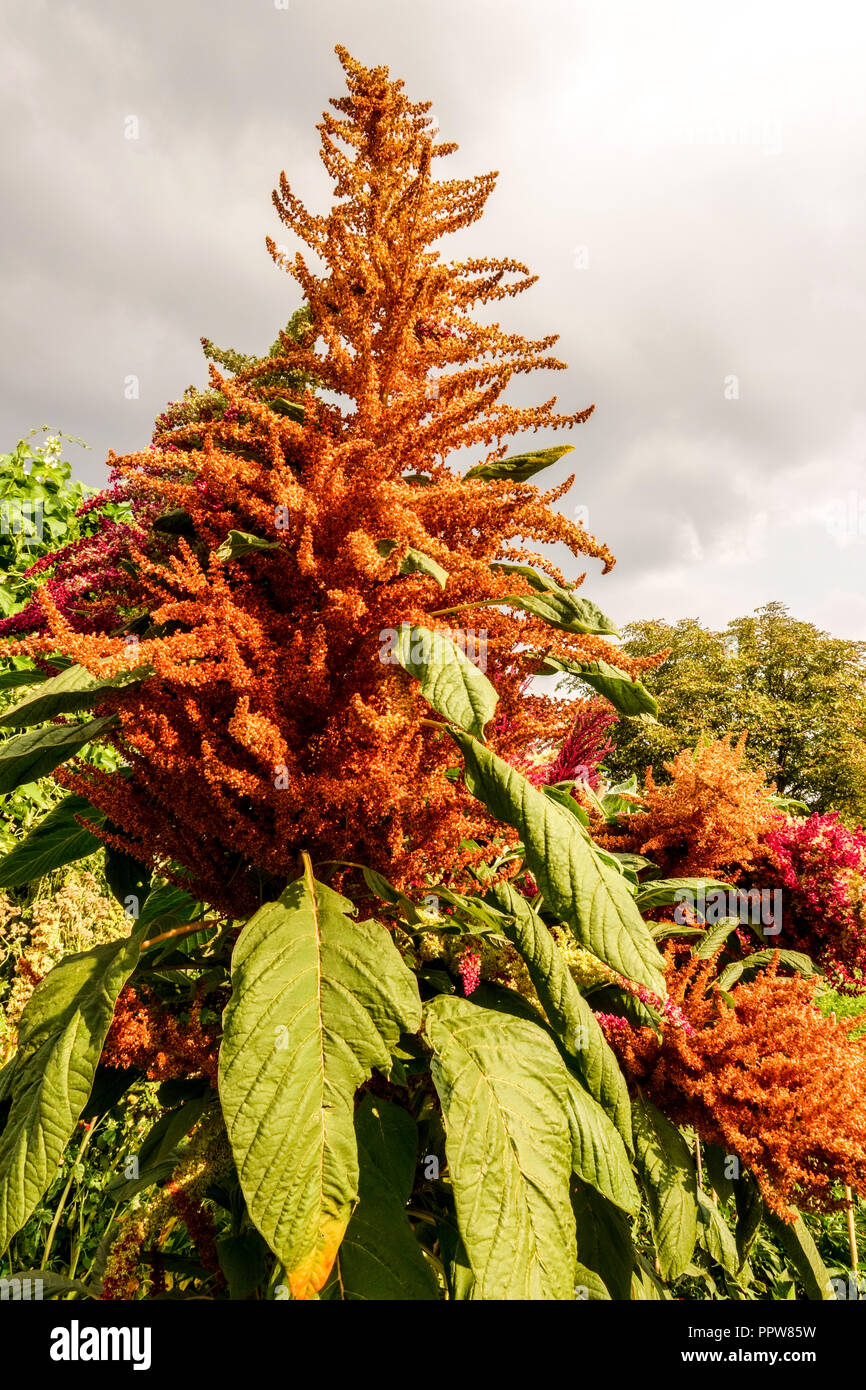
(686, 178)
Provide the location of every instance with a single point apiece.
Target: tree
(798, 693)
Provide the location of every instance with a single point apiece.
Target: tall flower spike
(387, 310)
(273, 721)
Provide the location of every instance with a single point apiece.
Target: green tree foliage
(798, 693)
(38, 502)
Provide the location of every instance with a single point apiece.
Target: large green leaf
(56, 841)
(521, 467)
(567, 1011)
(128, 879)
(380, 1259)
(62, 1030)
(598, 1153)
(670, 1182)
(589, 1285)
(456, 688)
(503, 1089)
(715, 938)
(660, 892)
(802, 1252)
(167, 907)
(750, 1213)
(29, 756)
(604, 1241)
(716, 1236)
(415, 562)
(9, 680)
(590, 897)
(73, 690)
(627, 696)
(318, 1000)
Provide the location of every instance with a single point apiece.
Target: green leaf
(318, 1000)
(589, 1285)
(245, 1261)
(661, 892)
(109, 1084)
(127, 878)
(598, 1154)
(293, 409)
(716, 1236)
(62, 1030)
(74, 690)
(715, 938)
(561, 608)
(166, 907)
(456, 688)
(594, 901)
(32, 755)
(802, 1253)
(750, 1213)
(238, 543)
(646, 1285)
(380, 1259)
(10, 680)
(748, 967)
(51, 1285)
(604, 1242)
(669, 1180)
(521, 467)
(157, 1158)
(502, 1086)
(176, 522)
(628, 697)
(415, 562)
(715, 1165)
(461, 1283)
(563, 797)
(570, 1016)
(56, 841)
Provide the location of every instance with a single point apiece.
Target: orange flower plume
(764, 1075)
(712, 817)
(274, 720)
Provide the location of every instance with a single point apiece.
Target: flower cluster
(272, 722)
(823, 873)
(711, 818)
(75, 917)
(579, 754)
(206, 1158)
(89, 587)
(761, 1073)
(146, 1035)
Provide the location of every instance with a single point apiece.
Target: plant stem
(178, 931)
(460, 607)
(852, 1232)
(88, 1134)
